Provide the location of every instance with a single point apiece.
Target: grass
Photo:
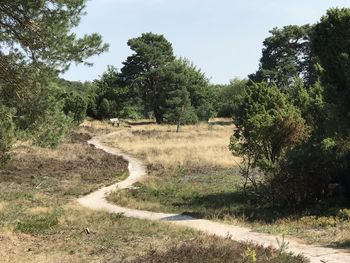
(209, 186)
(40, 221)
(196, 147)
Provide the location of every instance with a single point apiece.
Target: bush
(103, 109)
(6, 133)
(51, 127)
(75, 105)
(344, 214)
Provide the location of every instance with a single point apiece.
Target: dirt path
(137, 170)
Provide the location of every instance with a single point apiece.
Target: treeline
(36, 104)
(153, 83)
(293, 121)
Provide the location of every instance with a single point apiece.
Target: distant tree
(124, 100)
(287, 55)
(104, 109)
(75, 105)
(201, 94)
(141, 69)
(227, 97)
(177, 105)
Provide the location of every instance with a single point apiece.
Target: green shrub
(344, 214)
(51, 127)
(6, 133)
(103, 109)
(75, 105)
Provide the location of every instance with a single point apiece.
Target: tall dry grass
(195, 146)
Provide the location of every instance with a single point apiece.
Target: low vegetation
(217, 250)
(214, 190)
(40, 220)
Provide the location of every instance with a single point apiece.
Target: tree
(141, 69)
(125, 99)
(104, 109)
(267, 126)
(201, 94)
(177, 104)
(37, 43)
(286, 55)
(228, 97)
(330, 42)
(75, 105)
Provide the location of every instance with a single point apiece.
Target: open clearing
(212, 190)
(97, 200)
(40, 220)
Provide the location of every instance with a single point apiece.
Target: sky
(222, 37)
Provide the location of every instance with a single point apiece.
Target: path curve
(97, 200)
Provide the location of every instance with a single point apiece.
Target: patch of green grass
(218, 195)
(38, 224)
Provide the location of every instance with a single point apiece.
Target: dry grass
(195, 146)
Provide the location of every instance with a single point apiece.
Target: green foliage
(332, 33)
(39, 44)
(141, 69)
(104, 109)
(43, 31)
(267, 125)
(228, 96)
(201, 94)
(156, 79)
(308, 150)
(38, 225)
(286, 55)
(6, 133)
(75, 105)
(52, 126)
(124, 102)
(344, 214)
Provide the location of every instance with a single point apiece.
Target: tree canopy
(36, 44)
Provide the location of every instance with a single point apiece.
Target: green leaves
(287, 55)
(42, 30)
(168, 87)
(267, 126)
(37, 43)
(6, 133)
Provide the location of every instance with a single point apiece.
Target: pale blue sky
(222, 37)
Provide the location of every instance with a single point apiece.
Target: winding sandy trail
(96, 200)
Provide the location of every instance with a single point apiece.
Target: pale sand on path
(97, 200)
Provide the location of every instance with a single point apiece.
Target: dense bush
(294, 131)
(75, 105)
(6, 133)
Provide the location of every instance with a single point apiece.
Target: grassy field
(194, 173)
(40, 220)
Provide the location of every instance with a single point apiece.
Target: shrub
(75, 105)
(103, 109)
(6, 133)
